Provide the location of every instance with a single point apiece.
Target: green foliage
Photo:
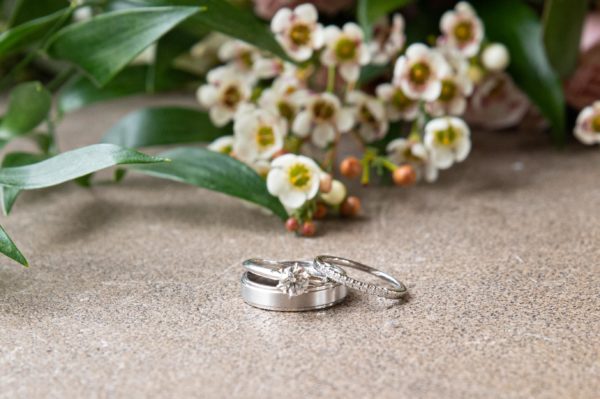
(513, 23)
(563, 23)
(105, 44)
(217, 172)
(369, 11)
(161, 74)
(71, 165)
(29, 33)
(27, 10)
(162, 125)
(222, 16)
(9, 194)
(8, 248)
(81, 91)
(28, 105)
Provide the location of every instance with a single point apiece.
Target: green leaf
(173, 44)
(105, 44)
(222, 16)
(29, 33)
(8, 248)
(9, 194)
(71, 165)
(369, 11)
(217, 172)
(163, 125)
(80, 91)
(514, 24)
(27, 10)
(563, 23)
(28, 106)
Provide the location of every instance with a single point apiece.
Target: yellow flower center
(596, 124)
(345, 49)
(419, 73)
(463, 31)
(265, 137)
(400, 101)
(285, 110)
(366, 115)
(232, 96)
(409, 156)
(246, 58)
(299, 175)
(447, 137)
(226, 149)
(323, 110)
(448, 90)
(300, 34)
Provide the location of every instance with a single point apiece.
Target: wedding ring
(293, 277)
(271, 293)
(331, 266)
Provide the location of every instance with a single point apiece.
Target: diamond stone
(294, 280)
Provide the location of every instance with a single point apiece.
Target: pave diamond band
(331, 267)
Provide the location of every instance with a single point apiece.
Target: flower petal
(293, 199)
(350, 72)
(345, 120)
(307, 13)
(220, 115)
(301, 125)
(276, 181)
(322, 135)
(463, 148)
(207, 95)
(281, 20)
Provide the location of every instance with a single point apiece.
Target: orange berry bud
(351, 167)
(321, 211)
(279, 153)
(350, 207)
(325, 183)
(308, 229)
(291, 224)
(404, 176)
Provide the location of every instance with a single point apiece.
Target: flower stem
(389, 165)
(331, 79)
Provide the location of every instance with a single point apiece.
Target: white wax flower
(587, 128)
(462, 29)
(294, 179)
(345, 48)
(224, 93)
(298, 31)
(419, 72)
(322, 117)
(449, 141)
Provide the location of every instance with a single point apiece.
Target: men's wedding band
(288, 286)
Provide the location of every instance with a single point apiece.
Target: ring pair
(308, 285)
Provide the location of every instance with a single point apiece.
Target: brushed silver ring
(332, 267)
(266, 292)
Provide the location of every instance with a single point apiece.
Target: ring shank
(262, 293)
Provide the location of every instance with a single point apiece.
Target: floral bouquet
(404, 81)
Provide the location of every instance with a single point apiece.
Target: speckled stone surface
(133, 289)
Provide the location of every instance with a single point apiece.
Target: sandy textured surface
(133, 289)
